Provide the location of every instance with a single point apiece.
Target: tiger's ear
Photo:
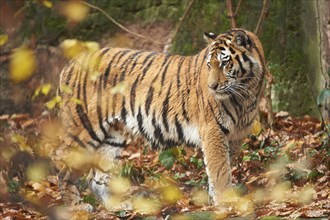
(209, 37)
(242, 39)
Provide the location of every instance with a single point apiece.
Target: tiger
(208, 100)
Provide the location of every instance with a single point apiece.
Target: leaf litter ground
(281, 171)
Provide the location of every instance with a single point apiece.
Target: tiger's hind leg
(109, 151)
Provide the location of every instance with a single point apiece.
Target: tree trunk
(323, 11)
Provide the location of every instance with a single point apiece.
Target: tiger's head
(235, 63)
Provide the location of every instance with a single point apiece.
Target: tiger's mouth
(223, 90)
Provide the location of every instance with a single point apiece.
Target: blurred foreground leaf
(72, 48)
(22, 64)
(52, 103)
(37, 171)
(74, 11)
(3, 39)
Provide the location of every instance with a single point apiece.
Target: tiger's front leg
(217, 160)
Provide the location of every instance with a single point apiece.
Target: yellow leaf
(37, 172)
(92, 46)
(256, 128)
(305, 195)
(119, 88)
(7, 153)
(200, 197)
(74, 11)
(230, 196)
(77, 158)
(72, 48)
(279, 192)
(119, 185)
(77, 101)
(46, 88)
(21, 141)
(66, 89)
(244, 206)
(171, 194)
(94, 76)
(146, 206)
(53, 102)
(3, 39)
(47, 3)
(22, 64)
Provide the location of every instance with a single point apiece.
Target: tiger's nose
(214, 86)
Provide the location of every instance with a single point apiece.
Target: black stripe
(228, 112)
(68, 78)
(200, 75)
(134, 64)
(245, 57)
(178, 83)
(100, 56)
(158, 134)
(133, 93)
(148, 57)
(237, 107)
(232, 51)
(108, 69)
(160, 70)
(126, 64)
(114, 143)
(140, 121)
(92, 144)
(196, 68)
(107, 107)
(77, 140)
(146, 68)
(86, 123)
(99, 108)
(149, 99)
(84, 118)
(184, 111)
(123, 112)
(179, 130)
(86, 72)
(165, 108)
(85, 90)
(165, 71)
(240, 64)
(71, 117)
(223, 128)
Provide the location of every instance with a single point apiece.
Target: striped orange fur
(208, 100)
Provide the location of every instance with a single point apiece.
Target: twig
(268, 97)
(118, 24)
(230, 14)
(263, 15)
(174, 33)
(237, 7)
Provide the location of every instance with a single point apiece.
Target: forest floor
(282, 172)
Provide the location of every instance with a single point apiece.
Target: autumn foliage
(281, 171)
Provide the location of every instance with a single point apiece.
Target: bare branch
(268, 97)
(230, 14)
(118, 24)
(237, 7)
(173, 34)
(263, 15)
